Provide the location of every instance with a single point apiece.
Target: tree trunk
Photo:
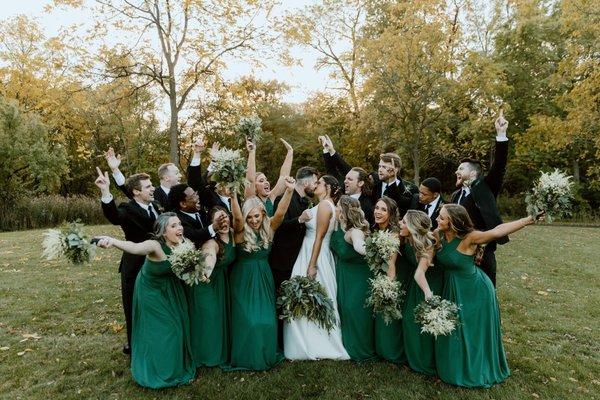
(416, 165)
(174, 123)
(576, 170)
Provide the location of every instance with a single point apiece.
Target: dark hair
(334, 187)
(305, 172)
(217, 238)
(176, 196)
(460, 222)
(473, 164)
(133, 182)
(363, 176)
(432, 184)
(392, 207)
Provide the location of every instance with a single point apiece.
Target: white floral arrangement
(249, 128)
(229, 169)
(69, 242)
(380, 246)
(551, 194)
(189, 264)
(437, 316)
(386, 298)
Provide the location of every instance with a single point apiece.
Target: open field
(61, 332)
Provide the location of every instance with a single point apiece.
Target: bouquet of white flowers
(386, 298)
(249, 128)
(229, 169)
(301, 296)
(188, 263)
(437, 316)
(380, 246)
(69, 242)
(551, 194)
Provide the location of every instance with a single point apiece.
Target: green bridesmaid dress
(473, 355)
(209, 313)
(253, 320)
(419, 347)
(389, 342)
(161, 353)
(352, 276)
(270, 207)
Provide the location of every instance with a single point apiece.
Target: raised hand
(287, 145)
(102, 181)
(214, 148)
(112, 160)
(329, 145)
(250, 146)
(290, 183)
(221, 222)
(199, 146)
(501, 124)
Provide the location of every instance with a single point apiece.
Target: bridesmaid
(389, 343)
(473, 355)
(253, 314)
(209, 302)
(418, 246)
(160, 343)
(259, 185)
(352, 276)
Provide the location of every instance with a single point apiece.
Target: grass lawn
(61, 332)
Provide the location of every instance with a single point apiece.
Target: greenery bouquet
(70, 242)
(229, 169)
(380, 246)
(437, 316)
(386, 298)
(188, 263)
(249, 128)
(551, 194)
(300, 297)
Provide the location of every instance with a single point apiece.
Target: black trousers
(127, 286)
(488, 263)
(280, 276)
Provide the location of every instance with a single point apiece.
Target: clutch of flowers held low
(70, 242)
(386, 298)
(300, 297)
(551, 194)
(437, 316)
(188, 264)
(380, 246)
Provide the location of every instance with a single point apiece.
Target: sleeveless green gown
(253, 316)
(161, 353)
(419, 346)
(389, 342)
(209, 313)
(473, 355)
(356, 320)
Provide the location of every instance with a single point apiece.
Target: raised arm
(358, 241)
(114, 161)
(194, 169)
(283, 205)
(495, 176)
(150, 248)
(333, 160)
(250, 187)
(482, 237)
(210, 250)
(238, 217)
(284, 171)
(424, 263)
(324, 214)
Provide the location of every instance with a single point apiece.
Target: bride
(304, 340)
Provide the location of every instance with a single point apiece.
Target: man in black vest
(385, 182)
(136, 218)
(429, 199)
(478, 194)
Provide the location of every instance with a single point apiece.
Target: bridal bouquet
(300, 297)
(229, 169)
(552, 194)
(188, 264)
(386, 298)
(70, 242)
(380, 246)
(437, 316)
(249, 128)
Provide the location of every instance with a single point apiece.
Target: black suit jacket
(137, 227)
(200, 183)
(289, 236)
(401, 192)
(482, 206)
(196, 232)
(415, 205)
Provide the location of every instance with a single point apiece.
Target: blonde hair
(421, 237)
(352, 216)
(261, 239)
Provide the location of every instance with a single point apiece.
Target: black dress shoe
(126, 349)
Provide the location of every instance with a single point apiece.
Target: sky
(303, 80)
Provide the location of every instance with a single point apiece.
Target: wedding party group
(345, 265)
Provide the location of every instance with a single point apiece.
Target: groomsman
(477, 193)
(429, 199)
(210, 195)
(386, 182)
(136, 219)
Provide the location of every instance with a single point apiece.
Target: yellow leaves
(115, 327)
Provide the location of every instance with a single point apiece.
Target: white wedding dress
(304, 340)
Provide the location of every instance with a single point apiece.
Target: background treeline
(422, 78)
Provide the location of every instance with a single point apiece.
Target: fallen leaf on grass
(573, 379)
(99, 301)
(32, 336)
(23, 352)
(4, 348)
(115, 326)
(542, 292)
(595, 381)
